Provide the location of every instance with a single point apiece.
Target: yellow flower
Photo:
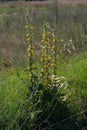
(41, 59)
(27, 35)
(32, 27)
(28, 39)
(53, 48)
(31, 75)
(42, 41)
(45, 42)
(32, 51)
(45, 59)
(45, 66)
(54, 40)
(53, 64)
(27, 26)
(44, 35)
(49, 57)
(29, 48)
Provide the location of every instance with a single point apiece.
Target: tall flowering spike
(54, 52)
(45, 57)
(30, 50)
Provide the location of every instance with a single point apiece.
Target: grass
(12, 98)
(75, 71)
(13, 91)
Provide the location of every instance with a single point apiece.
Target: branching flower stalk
(30, 51)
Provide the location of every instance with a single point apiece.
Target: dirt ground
(43, 3)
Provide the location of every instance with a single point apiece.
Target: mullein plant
(43, 92)
(30, 52)
(45, 56)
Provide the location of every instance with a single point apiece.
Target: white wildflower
(61, 40)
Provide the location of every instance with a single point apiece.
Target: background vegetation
(71, 24)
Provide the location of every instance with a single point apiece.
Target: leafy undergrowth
(17, 112)
(76, 73)
(12, 98)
